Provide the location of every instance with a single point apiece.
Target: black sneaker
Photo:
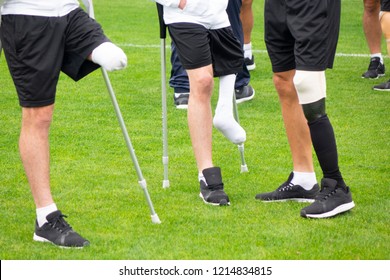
(181, 102)
(250, 63)
(330, 201)
(244, 93)
(58, 232)
(383, 86)
(375, 70)
(289, 191)
(212, 192)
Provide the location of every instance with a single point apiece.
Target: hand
(182, 4)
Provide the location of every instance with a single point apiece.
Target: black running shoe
(383, 86)
(212, 192)
(244, 93)
(330, 201)
(250, 63)
(289, 191)
(58, 232)
(375, 70)
(181, 102)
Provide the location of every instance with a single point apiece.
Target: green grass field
(95, 184)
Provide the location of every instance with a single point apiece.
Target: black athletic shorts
(198, 46)
(301, 34)
(385, 5)
(38, 48)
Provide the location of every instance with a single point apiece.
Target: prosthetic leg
(226, 116)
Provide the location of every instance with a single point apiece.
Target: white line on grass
(255, 51)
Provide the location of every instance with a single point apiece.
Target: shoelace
(374, 64)
(325, 192)
(60, 224)
(215, 187)
(286, 187)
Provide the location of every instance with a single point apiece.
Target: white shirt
(209, 13)
(49, 8)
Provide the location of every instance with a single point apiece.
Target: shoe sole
(182, 107)
(311, 200)
(380, 89)
(238, 101)
(223, 202)
(375, 78)
(338, 210)
(41, 239)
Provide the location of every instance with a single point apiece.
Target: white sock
(43, 212)
(202, 178)
(248, 50)
(224, 119)
(305, 179)
(178, 94)
(377, 55)
(109, 56)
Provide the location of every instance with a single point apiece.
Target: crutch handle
(163, 27)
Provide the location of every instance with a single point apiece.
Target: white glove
(109, 56)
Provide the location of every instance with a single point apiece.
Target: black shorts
(301, 34)
(198, 46)
(385, 5)
(38, 48)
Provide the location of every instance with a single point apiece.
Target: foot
(250, 63)
(244, 93)
(212, 191)
(330, 201)
(383, 86)
(289, 191)
(181, 100)
(58, 232)
(375, 70)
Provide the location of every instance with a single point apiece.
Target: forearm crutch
(155, 219)
(163, 35)
(1, 47)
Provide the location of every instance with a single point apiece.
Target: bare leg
(246, 16)
(200, 115)
(385, 23)
(371, 25)
(297, 130)
(34, 151)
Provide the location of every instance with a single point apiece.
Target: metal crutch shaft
(129, 145)
(141, 180)
(244, 167)
(163, 35)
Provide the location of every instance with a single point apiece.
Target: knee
(385, 20)
(372, 6)
(284, 86)
(38, 117)
(311, 90)
(109, 56)
(281, 77)
(282, 81)
(310, 86)
(205, 82)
